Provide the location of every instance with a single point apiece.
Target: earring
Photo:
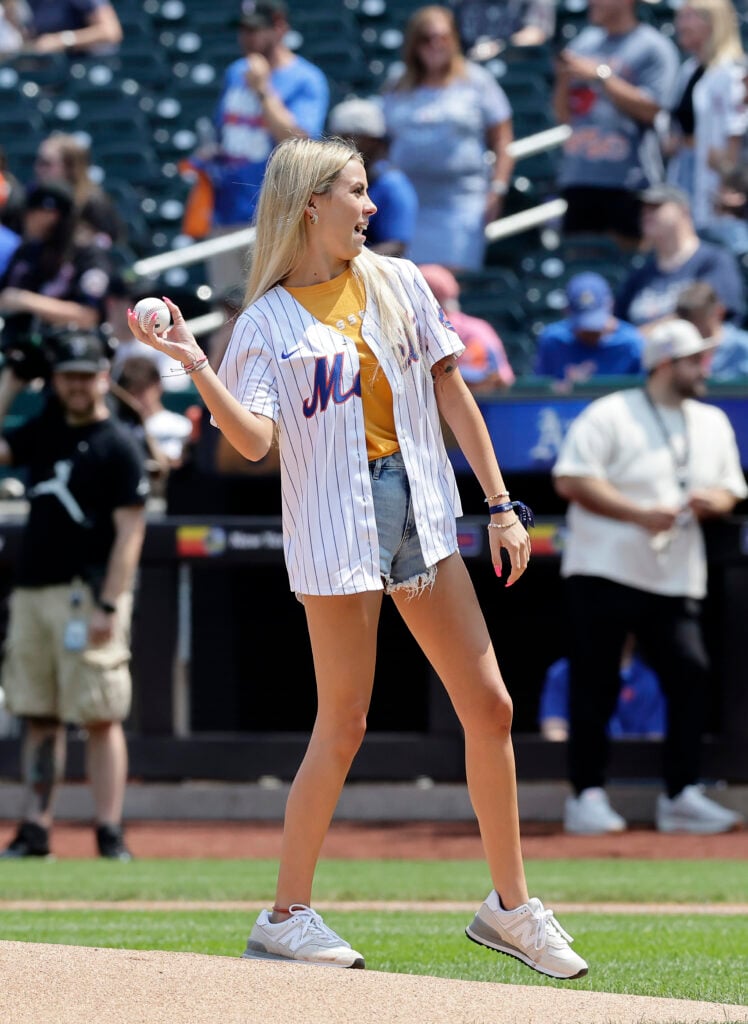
(313, 218)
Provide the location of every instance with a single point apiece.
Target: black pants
(668, 632)
(600, 210)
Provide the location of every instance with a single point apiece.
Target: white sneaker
(304, 937)
(590, 814)
(692, 811)
(530, 933)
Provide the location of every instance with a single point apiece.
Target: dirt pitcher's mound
(76, 985)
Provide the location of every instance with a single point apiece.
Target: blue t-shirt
(396, 202)
(244, 141)
(618, 352)
(730, 359)
(650, 293)
(641, 709)
(607, 148)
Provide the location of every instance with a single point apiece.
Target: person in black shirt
(67, 653)
(50, 281)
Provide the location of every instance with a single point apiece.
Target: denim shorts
(401, 560)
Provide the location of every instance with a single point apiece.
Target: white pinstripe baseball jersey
(283, 363)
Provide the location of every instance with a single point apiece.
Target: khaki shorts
(42, 679)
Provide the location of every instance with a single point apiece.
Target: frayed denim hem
(414, 586)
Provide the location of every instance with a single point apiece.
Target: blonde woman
(349, 355)
(450, 125)
(708, 116)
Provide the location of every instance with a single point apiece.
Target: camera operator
(67, 653)
(50, 281)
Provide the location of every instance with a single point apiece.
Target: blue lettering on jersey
(409, 355)
(327, 385)
(444, 320)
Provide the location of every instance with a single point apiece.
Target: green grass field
(679, 956)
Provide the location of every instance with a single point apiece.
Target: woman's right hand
(177, 341)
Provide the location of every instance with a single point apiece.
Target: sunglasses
(431, 37)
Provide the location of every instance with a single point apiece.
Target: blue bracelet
(524, 512)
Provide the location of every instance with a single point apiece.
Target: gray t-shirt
(609, 149)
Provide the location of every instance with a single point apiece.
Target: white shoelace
(310, 925)
(547, 924)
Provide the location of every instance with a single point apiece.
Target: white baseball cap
(674, 339)
(357, 116)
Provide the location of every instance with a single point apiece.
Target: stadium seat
(47, 73)
(20, 153)
(500, 309)
(493, 280)
(527, 89)
(21, 120)
(129, 161)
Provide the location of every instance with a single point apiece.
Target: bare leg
(448, 624)
(343, 632)
(43, 765)
(106, 766)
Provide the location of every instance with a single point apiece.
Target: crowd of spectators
(657, 117)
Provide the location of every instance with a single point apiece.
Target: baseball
(145, 309)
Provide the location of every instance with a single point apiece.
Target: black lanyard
(680, 460)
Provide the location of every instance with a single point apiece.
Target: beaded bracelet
(503, 526)
(501, 494)
(524, 513)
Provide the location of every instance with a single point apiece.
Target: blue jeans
(400, 557)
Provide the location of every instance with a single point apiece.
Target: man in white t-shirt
(641, 469)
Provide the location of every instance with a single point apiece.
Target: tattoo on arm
(443, 369)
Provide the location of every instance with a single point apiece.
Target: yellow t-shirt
(340, 304)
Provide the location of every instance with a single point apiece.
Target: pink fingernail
(497, 570)
(166, 298)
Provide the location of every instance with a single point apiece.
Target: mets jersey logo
(327, 385)
(444, 321)
(328, 381)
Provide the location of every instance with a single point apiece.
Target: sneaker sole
(256, 954)
(689, 828)
(595, 831)
(516, 955)
(50, 857)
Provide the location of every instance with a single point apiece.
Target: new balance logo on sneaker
(530, 933)
(304, 938)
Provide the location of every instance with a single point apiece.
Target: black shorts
(594, 210)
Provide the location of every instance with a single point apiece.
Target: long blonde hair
(724, 41)
(296, 170)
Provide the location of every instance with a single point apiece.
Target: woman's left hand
(516, 541)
